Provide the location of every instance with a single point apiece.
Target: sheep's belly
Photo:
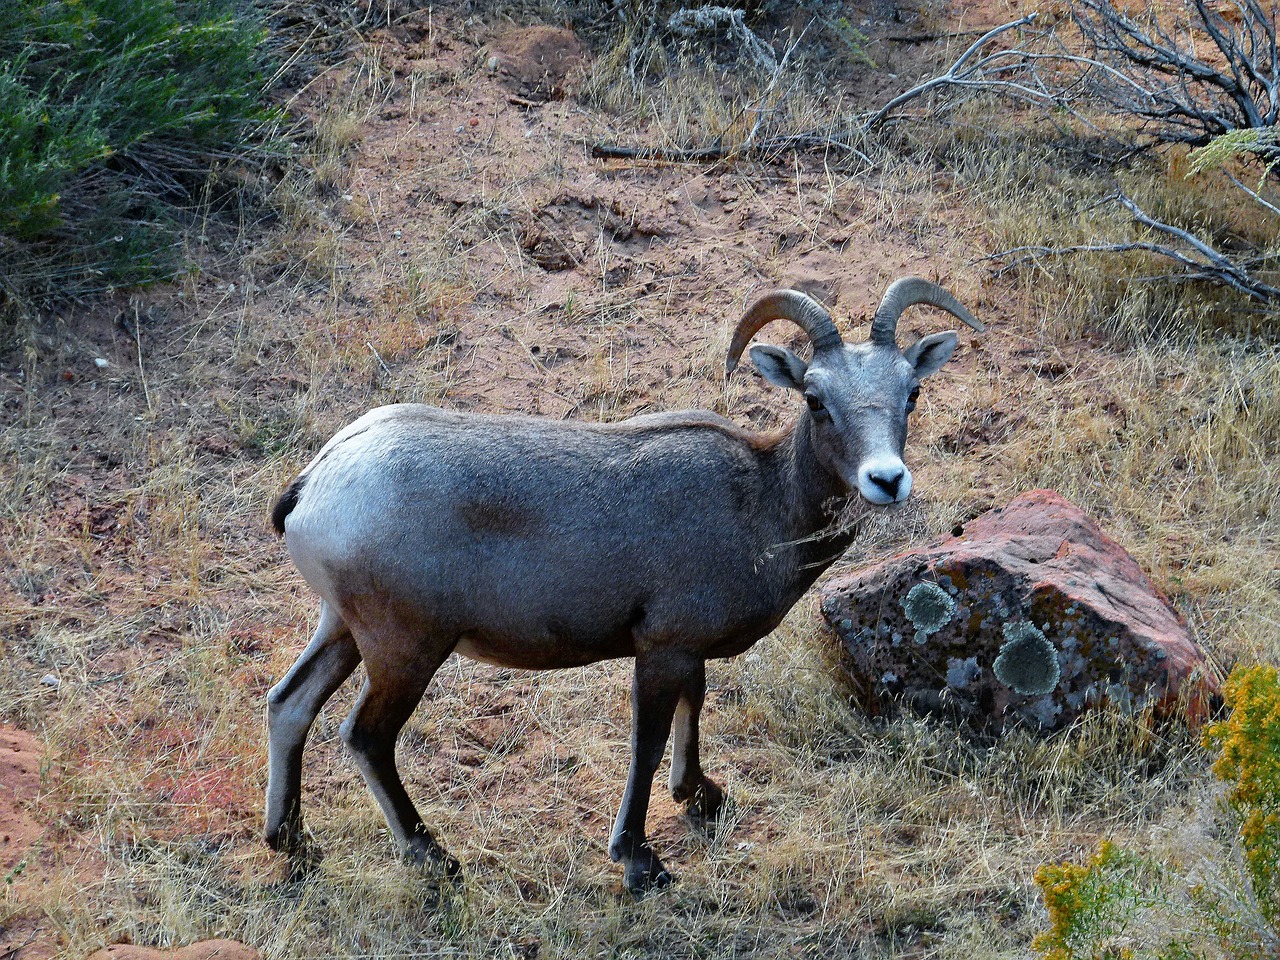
(543, 653)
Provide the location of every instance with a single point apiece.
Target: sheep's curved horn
(801, 309)
(905, 292)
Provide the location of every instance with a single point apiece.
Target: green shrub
(1249, 741)
(1120, 905)
(112, 113)
(1093, 907)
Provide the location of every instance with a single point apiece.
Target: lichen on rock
(929, 608)
(961, 673)
(1028, 662)
(1037, 586)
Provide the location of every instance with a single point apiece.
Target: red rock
(1031, 612)
(204, 950)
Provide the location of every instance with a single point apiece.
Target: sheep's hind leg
(689, 785)
(654, 694)
(292, 706)
(389, 697)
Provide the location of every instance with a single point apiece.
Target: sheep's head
(858, 395)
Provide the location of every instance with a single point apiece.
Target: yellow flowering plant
(1249, 759)
(1118, 905)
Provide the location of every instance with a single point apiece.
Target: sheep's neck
(809, 493)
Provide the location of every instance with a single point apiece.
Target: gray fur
(672, 538)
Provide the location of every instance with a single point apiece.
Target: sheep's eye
(912, 397)
(814, 403)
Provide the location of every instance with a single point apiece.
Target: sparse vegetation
(1121, 904)
(112, 114)
(138, 571)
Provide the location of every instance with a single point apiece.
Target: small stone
(492, 64)
(101, 363)
(50, 680)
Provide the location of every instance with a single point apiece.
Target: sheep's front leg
(655, 691)
(689, 785)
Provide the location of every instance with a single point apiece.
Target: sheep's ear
(928, 354)
(779, 366)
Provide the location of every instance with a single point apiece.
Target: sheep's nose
(884, 481)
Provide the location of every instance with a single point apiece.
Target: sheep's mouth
(879, 528)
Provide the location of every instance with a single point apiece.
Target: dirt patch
(24, 862)
(537, 63)
(22, 778)
(204, 950)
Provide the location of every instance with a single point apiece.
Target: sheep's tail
(288, 500)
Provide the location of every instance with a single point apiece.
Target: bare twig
(1186, 76)
(1202, 261)
(767, 149)
(377, 356)
(1254, 194)
(964, 73)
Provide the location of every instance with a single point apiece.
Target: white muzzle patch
(884, 480)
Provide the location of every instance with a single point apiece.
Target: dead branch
(1185, 76)
(1200, 260)
(989, 73)
(984, 73)
(767, 148)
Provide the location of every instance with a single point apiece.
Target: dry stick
(961, 74)
(377, 356)
(142, 373)
(956, 75)
(1253, 193)
(930, 37)
(1186, 96)
(1219, 268)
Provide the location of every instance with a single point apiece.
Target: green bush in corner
(112, 113)
(1122, 906)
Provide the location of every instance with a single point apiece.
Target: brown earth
(204, 950)
(21, 783)
(475, 252)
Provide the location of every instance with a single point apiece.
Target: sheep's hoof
(287, 837)
(703, 803)
(302, 856)
(301, 852)
(645, 872)
(428, 854)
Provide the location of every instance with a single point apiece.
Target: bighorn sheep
(671, 538)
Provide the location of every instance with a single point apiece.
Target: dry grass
(139, 570)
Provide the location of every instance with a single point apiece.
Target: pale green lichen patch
(1027, 662)
(929, 608)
